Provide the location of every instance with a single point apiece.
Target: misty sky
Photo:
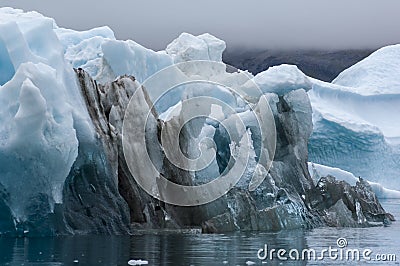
(263, 24)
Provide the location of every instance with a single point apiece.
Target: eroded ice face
(41, 110)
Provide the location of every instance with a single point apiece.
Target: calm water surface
(197, 249)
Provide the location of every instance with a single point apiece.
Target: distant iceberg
(356, 123)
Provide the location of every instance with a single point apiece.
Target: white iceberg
(41, 110)
(356, 124)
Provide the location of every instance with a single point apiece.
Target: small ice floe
(249, 262)
(138, 262)
(225, 262)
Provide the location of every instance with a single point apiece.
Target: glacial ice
(282, 79)
(44, 119)
(188, 47)
(375, 75)
(82, 49)
(364, 96)
(129, 57)
(105, 58)
(356, 126)
(40, 111)
(70, 38)
(358, 112)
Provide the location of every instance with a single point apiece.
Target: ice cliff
(63, 170)
(356, 124)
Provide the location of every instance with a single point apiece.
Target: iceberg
(64, 98)
(282, 79)
(375, 75)
(41, 109)
(130, 58)
(188, 47)
(105, 58)
(355, 126)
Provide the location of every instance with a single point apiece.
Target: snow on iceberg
(105, 58)
(188, 47)
(376, 74)
(71, 38)
(358, 112)
(317, 171)
(282, 79)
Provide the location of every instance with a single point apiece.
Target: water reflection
(160, 249)
(235, 249)
(190, 249)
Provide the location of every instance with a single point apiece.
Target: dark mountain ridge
(323, 65)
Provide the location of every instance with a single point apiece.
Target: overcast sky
(294, 24)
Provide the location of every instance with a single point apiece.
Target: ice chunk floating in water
(138, 262)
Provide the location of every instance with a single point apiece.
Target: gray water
(198, 249)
